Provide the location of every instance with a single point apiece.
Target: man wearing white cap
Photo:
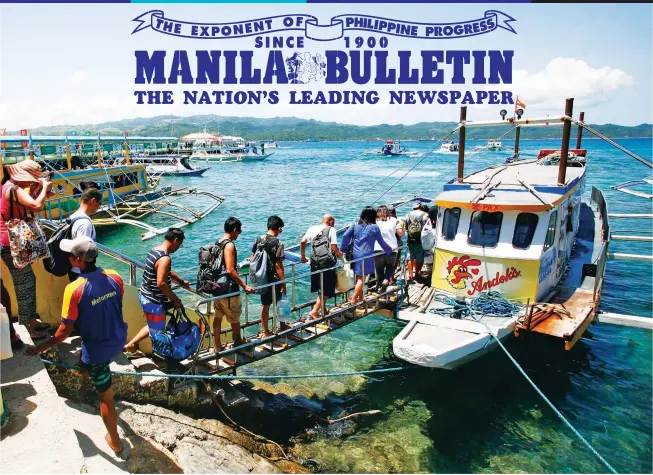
(92, 305)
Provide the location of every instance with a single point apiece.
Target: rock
(200, 446)
(210, 456)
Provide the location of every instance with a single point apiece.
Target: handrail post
(292, 285)
(579, 137)
(274, 309)
(132, 274)
(246, 303)
(461, 145)
(566, 133)
(322, 293)
(517, 133)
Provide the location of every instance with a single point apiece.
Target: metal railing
(292, 280)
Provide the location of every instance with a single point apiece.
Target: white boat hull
(448, 343)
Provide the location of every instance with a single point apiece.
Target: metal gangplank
(336, 313)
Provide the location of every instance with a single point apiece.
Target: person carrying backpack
(228, 281)
(414, 222)
(268, 255)
(324, 254)
(90, 202)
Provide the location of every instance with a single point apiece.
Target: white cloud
(77, 78)
(568, 77)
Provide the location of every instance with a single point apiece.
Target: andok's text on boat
(517, 250)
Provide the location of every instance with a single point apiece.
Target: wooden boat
(517, 237)
(128, 191)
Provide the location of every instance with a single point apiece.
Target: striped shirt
(149, 288)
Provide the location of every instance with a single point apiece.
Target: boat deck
(572, 306)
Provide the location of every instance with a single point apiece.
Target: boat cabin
(508, 228)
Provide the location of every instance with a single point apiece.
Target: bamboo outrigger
(130, 194)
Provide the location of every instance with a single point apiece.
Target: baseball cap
(83, 247)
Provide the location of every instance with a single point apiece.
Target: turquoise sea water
(483, 417)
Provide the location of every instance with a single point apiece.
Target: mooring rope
(230, 376)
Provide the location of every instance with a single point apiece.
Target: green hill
(292, 128)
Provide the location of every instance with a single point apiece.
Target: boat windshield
(524, 230)
(484, 229)
(450, 223)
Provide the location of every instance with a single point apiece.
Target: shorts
(416, 251)
(100, 375)
(229, 307)
(266, 294)
(155, 313)
(329, 279)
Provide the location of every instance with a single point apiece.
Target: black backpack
(211, 278)
(322, 257)
(58, 263)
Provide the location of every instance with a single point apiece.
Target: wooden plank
(584, 321)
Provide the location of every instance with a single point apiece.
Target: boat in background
(393, 148)
(129, 192)
(168, 165)
(449, 147)
(271, 144)
(494, 145)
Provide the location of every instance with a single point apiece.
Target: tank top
(149, 288)
(7, 214)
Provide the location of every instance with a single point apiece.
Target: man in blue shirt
(92, 304)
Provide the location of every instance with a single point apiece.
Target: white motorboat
(167, 165)
(449, 147)
(494, 145)
(393, 148)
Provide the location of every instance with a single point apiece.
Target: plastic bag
(344, 278)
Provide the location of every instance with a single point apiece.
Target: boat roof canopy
(506, 188)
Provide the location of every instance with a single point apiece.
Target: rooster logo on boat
(459, 271)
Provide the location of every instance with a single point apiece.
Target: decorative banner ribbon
(156, 20)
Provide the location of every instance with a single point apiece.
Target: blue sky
(75, 64)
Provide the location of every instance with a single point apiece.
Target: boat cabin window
(484, 228)
(570, 216)
(524, 230)
(450, 223)
(551, 231)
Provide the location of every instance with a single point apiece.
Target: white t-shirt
(83, 226)
(389, 230)
(313, 231)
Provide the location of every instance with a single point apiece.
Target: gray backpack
(322, 257)
(259, 265)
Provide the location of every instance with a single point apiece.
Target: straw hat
(26, 171)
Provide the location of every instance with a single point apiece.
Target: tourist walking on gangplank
(156, 295)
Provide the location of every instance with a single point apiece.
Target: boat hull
(196, 172)
(448, 343)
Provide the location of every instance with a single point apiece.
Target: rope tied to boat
(488, 304)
